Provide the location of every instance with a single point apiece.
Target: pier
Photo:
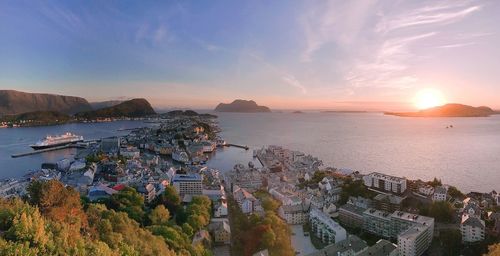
(238, 146)
(34, 152)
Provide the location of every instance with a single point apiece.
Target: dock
(34, 152)
(238, 146)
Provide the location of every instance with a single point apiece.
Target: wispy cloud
(334, 22)
(154, 34)
(448, 46)
(292, 81)
(438, 14)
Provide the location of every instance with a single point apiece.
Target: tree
(159, 216)
(60, 204)
(435, 182)
(441, 211)
(130, 201)
(455, 193)
(170, 199)
(493, 250)
(450, 241)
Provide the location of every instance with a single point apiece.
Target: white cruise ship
(54, 141)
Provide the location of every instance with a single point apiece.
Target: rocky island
(448, 110)
(241, 106)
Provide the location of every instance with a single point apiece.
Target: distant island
(448, 110)
(241, 106)
(297, 112)
(344, 111)
(130, 108)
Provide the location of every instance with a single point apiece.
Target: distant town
(282, 202)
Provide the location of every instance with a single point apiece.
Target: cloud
(386, 67)
(337, 22)
(155, 35)
(428, 15)
(448, 46)
(292, 81)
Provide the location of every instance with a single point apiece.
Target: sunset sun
(428, 98)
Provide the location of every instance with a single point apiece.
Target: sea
(464, 152)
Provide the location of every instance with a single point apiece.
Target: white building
(188, 184)
(440, 194)
(220, 209)
(325, 228)
(472, 229)
(384, 182)
(426, 190)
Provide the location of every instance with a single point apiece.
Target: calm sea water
(467, 155)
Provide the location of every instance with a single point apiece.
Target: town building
(294, 214)
(440, 194)
(388, 203)
(353, 245)
(351, 216)
(246, 201)
(327, 230)
(385, 182)
(472, 228)
(188, 184)
(220, 230)
(381, 248)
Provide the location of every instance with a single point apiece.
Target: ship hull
(35, 147)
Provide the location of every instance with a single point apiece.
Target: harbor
(47, 150)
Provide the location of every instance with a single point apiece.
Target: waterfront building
(440, 194)
(385, 182)
(188, 184)
(327, 230)
(472, 228)
(110, 146)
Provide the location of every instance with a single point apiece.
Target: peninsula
(448, 110)
(241, 106)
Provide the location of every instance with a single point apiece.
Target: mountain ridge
(138, 107)
(14, 102)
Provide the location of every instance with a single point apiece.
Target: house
(261, 253)
(220, 209)
(246, 201)
(440, 194)
(202, 237)
(472, 228)
(220, 230)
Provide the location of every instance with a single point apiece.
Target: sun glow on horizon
(428, 98)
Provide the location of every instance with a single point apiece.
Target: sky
(370, 55)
